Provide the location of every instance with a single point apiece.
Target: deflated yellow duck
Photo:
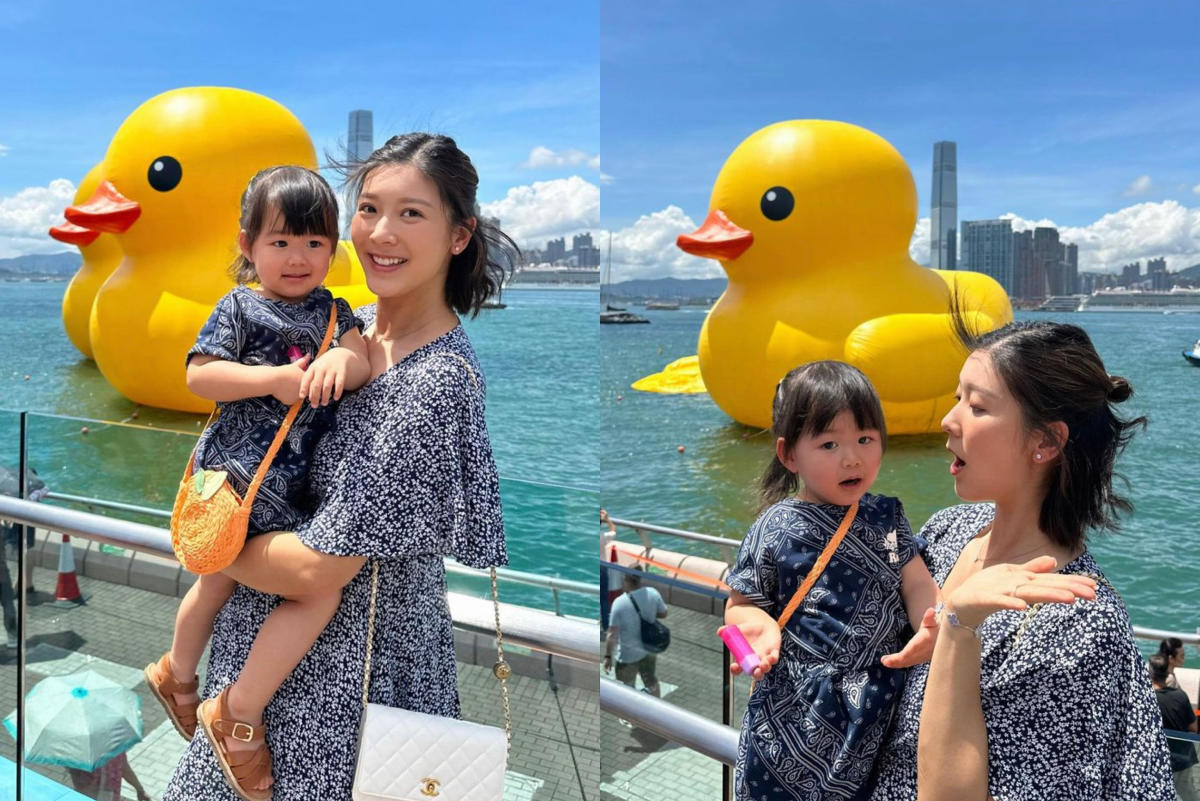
(811, 221)
(101, 256)
(172, 179)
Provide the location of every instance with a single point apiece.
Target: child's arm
(341, 369)
(919, 591)
(760, 629)
(222, 380)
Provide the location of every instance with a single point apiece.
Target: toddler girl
(252, 357)
(816, 720)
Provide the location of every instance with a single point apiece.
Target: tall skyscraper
(1023, 272)
(1072, 259)
(361, 139)
(987, 247)
(1047, 261)
(944, 217)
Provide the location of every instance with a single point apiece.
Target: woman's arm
(952, 746)
(760, 629)
(280, 564)
(222, 380)
(337, 370)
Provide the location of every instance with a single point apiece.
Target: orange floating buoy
(620, 397)
(26, 378)
(83, 430)
(680, 449)
(134, 414)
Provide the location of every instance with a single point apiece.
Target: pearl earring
(1037, 456)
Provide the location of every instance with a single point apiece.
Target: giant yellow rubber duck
(811, 221)
(172, 178)
(101, 256)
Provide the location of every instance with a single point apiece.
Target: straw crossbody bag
(209, 520)
(412, 756)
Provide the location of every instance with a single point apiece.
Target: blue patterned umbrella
(80, 720)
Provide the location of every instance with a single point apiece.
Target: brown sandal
(165, 687)
(242, 769)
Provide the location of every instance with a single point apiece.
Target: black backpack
(655, 634)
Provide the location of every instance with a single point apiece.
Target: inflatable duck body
(172, 179)
(101, 256)
(811, 221)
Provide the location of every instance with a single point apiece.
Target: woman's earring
(1037, 456)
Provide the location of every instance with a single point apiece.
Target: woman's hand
(920, 648)
(1016, 587)
(765, 639)
(325, 380)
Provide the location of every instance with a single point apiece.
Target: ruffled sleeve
(224, 333)
(1074, 718)
(755, 574)
(417, 476)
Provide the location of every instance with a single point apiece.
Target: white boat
(1176, 300)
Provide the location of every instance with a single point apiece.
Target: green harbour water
(1154, 561)
(538, 356)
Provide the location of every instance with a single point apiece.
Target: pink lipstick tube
(294, 354)
(741, 650)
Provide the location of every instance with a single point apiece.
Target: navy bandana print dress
(816, 722)
(248, 328)
(405, 477)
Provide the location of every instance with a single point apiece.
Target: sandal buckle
(243, 726)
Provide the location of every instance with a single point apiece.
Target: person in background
(1177, 715)
(104, 783)
(1171, 649)
(625, 633)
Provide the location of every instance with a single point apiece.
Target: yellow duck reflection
(811, 221)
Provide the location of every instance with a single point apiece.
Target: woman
(1028, 695)
(405, 477)
(1172, 650)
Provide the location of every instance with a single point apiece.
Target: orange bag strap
(284, 427)
(819, 567)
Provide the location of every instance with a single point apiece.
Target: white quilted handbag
(411, 756)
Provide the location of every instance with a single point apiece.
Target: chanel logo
(430, 787)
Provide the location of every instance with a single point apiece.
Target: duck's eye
(164, 173)
(777, 203)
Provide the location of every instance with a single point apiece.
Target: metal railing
(552, 583)
(540, 631)
(729, 546)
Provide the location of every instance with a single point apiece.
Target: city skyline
(1057, 121)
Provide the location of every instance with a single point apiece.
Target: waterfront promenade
(556, 726)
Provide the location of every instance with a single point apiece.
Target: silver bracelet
(941, 611)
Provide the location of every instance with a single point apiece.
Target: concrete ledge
(155, 573)
(106, 565)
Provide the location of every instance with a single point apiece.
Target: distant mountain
(669, 288)
(1192, 272)
(61, 265)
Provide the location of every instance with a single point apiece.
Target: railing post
(727, 719)
(608, 539)
(22, 538)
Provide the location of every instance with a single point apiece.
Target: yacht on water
(614, 315)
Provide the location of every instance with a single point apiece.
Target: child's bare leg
(194, 625)
(286, 636)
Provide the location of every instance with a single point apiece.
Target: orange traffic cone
(66, 591)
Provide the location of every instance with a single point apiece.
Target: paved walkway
(555, 754)
(639, 766)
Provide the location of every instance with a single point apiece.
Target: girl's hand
(765, 639)
(1015, 587)
(325, 380)
(920, 648)
(288, 377)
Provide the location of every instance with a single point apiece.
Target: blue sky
(502, 81)
(1066, 111)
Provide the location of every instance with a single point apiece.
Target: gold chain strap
(501, 670)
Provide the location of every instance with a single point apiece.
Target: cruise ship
(1177, 300)
(544, 274)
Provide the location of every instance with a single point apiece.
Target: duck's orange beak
(718, 238)
(73, 234)
(107, 211)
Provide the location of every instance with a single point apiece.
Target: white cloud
(542, 157)
(4, 150)
(1135, 233)
(26, 217)
(918, 246)
(1140, 186)
(647, 249)
(607, 179)
(543, 210)
(1196, 189)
